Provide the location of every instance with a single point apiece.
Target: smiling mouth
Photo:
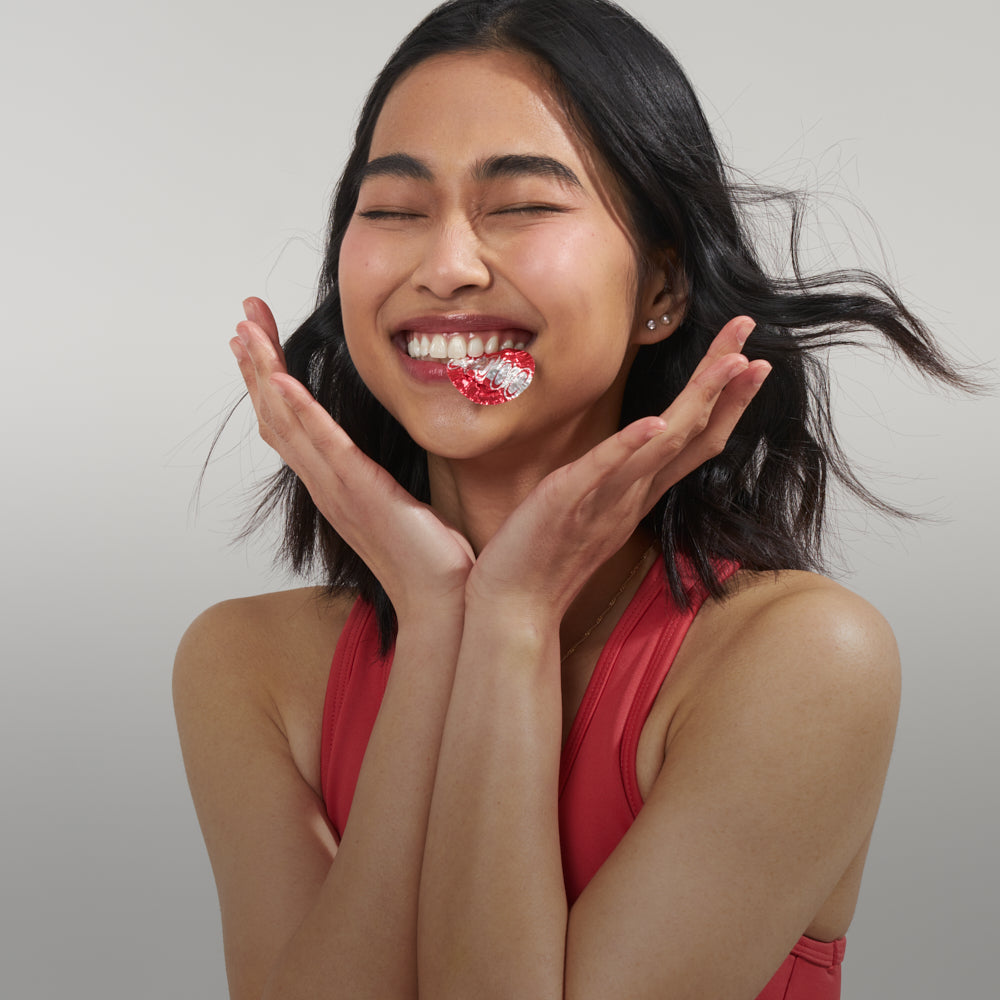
(457, 346)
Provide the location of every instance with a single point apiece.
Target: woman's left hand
(582, 513)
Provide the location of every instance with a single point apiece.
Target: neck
(477, 495)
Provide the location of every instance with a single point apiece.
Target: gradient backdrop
(164, 160)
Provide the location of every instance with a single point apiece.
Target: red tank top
(598, 789)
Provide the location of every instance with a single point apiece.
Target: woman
(594, 727)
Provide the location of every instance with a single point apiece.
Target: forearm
(359, 939)
(492, 900)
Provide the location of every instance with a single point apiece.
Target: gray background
(163, 161)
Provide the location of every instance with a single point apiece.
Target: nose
(451, 261)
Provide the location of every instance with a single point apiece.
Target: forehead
(457, 109)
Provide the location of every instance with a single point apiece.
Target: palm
(415, 556)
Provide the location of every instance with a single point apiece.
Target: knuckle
(273, 429)
(707, 385)
(700, 422)
(715, 444)
(673, 441)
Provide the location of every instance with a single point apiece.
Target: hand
(581, 514)
(419, 560)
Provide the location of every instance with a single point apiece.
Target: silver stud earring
(651, 324)
(665, 319)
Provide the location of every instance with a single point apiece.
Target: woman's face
(482, 220)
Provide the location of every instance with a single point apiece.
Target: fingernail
(760, 374)
(654, 429)
(237, 348)
(744, 334)
(738, 365)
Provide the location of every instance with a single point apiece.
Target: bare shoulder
(263, 639)
(287, 621)
(798, 641)
(798, 601)
(260, 661)
(774, 617)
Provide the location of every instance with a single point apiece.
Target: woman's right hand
(418, 559)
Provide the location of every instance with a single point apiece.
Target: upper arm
(264, 825)
(771, 781)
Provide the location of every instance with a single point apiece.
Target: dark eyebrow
(519, 164)
(492, 168)
(397, 165)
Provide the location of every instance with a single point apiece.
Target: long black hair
(761, 501)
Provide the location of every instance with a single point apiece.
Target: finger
(589, 472)
(687, 418)
(258, 359)
(247, 370)
(711, 441)
(266, 360)
(690, 412)
(316, 435)
(697, 427)
(243, 360)
(267, 356)
(322, 432)
(729, 340)
(327, 460)
(638, 453)
(257, 311)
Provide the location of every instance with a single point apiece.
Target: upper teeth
(454, 346)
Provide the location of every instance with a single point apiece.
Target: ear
(662, 299)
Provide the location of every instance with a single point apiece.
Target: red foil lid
(493, 378)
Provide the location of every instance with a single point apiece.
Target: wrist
(516, 629)
(429, 606)
(430, 622)
(517, 601)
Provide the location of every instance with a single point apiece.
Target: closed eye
(528, 210)
(393, 215)
(378, 214)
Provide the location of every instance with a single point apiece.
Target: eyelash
(529, 210)
(379, 215)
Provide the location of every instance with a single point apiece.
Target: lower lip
(425, 370)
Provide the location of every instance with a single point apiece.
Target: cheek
(554, 262)
(584, 273)
(366, 268)
(548, 258)
(360, 282)
(358, 257)
(350, 274)
(368, 258)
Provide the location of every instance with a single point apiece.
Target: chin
(465, 431)
(467, 447)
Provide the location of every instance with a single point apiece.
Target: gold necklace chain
(621, 590)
